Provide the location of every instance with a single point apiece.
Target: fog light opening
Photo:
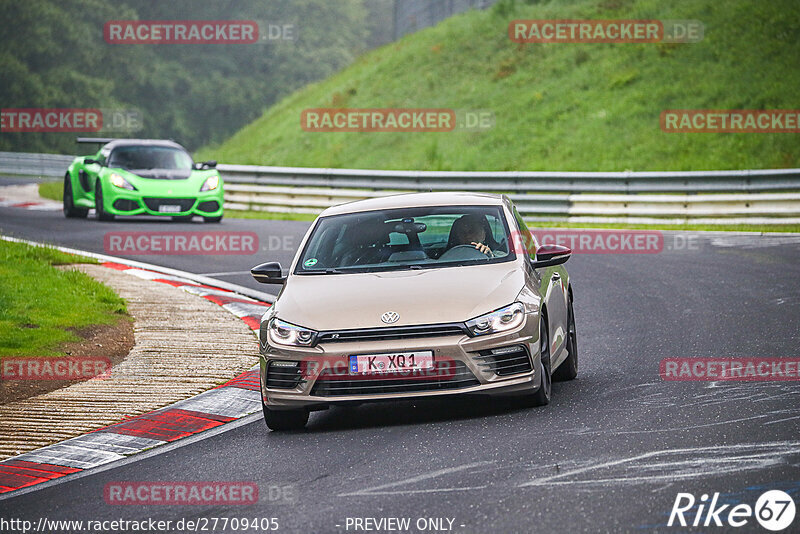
(507, 350)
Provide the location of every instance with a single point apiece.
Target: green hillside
(557, 106)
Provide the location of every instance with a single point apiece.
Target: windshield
(408, 238)
(150, 157)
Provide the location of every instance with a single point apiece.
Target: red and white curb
(233, 400)
(36, 206)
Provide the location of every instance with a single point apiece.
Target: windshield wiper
(381, 268)
(331, 270)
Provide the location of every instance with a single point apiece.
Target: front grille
(281, 375)
(449, 375)
(208, 206)
(511, 363)
(154, 203)
(392, 332)
(124, 204)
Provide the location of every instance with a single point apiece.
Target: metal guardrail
(518, 182)
(28, 164)
(703, 197)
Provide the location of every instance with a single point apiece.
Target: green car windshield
(149, 157)
(407, 238)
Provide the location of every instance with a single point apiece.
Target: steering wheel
(462, 252)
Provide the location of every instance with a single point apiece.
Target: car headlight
(506, 318)
(285, 333)
(211, 183)
(119, 181)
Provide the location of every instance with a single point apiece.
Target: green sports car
(142, 177)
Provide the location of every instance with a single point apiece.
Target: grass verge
(42, 307)
(52, 190)
(272, 215)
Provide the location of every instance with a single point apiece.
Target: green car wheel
(69, 205)
(99, 210)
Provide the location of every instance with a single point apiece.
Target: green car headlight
(506, 318)
(119, 181)
(285, 333)
(211, 183)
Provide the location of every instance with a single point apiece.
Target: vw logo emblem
(390, 317)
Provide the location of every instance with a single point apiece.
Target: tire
(569, 367)
(182, 218)
(212, 219)
(99, 213)
(542, 395)
(70, 211)
(279, 420)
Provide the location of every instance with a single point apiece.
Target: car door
(552, 286)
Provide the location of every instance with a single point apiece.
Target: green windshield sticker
(311, 262)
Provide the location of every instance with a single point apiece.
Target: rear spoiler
(98, 140)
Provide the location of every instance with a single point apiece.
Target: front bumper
(465, 365)
(125, 202)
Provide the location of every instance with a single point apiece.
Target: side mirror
(90, 161)
(268, 273)
(550, 255)
(211, 164)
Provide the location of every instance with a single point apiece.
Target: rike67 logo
(774, 510)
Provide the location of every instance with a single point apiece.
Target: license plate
(391, 363)
(169, 208)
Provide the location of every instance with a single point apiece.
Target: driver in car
(469, 230)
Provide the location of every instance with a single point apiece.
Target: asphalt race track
(609, 454)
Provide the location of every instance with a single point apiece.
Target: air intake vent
(449, 375)
(505, 361)
(283, 374)
(155, 203)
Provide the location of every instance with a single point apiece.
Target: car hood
(425, 296)
(162, 174)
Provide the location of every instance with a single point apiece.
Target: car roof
(141, 142)
(411, 200)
